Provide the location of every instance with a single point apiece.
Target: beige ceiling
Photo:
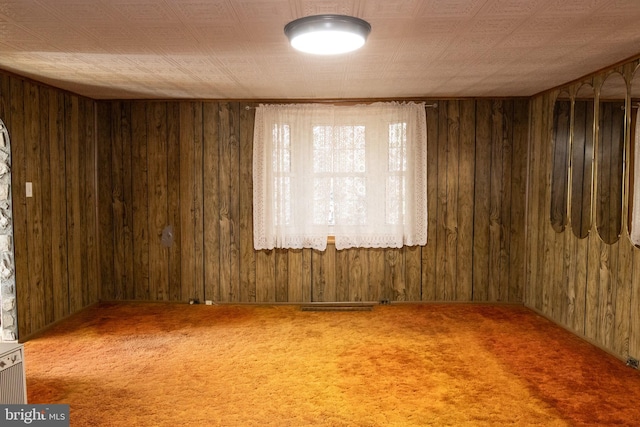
(236, 49)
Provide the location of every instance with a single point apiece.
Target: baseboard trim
(579, 335)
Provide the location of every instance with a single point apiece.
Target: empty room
(191, 231)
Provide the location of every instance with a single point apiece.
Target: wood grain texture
(156, 196)
(299, 286)
(428, 256)
(47, 229)
(560, 174)
(442, 291)
(105, 200)
(55, 242)
(173, 203)
(518, 195)
(35, 244)
(214, 146)
(187, 199)
(118, 172)
(582, 162)
(91, 278)
(610, 164)
(466, 201)
(140, 203)
(19, 172)
(211, 170)
(59, 211)
(482, 201)
(594, 281)
(227, 142)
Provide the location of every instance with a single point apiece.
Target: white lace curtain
(635, 215)
(358, 173)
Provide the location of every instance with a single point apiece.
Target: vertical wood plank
(429, 251)
(247, 264)
(376, 277)
(324, 274)
(91, 268)
(482, 200)
(83, 136)
(451, 216)
(47, 227)
(518, 201)
(198, 202)
(282, 274)
(496, 226)
(35, 243)
(506, 179)
(234, 199)
(532, 284)
(593, 285)
(560, 144)
(617, 159)
(605, 307)
(227, 292)
(581, 261)
(187, 197)
(127, 197)
(306, 275)
(74, 222)
(19, 148)
(174, 202)
(140, 203)
(266, 276)
(211, 198)
(563, 291)
(442, 258)
(623, 291)
(119, 277)
(294, 278)
(357, 274)
(413, 273)
(157, 196)
(466, 189)
(394, 274)
(57, 156)
(548, 257)
(342, 274)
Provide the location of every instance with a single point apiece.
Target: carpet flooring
(153, 364)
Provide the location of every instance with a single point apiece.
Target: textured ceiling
(236, 49)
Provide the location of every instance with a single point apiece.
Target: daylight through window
(357, 173)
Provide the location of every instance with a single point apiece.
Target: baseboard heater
(337, 307)
(13, 387)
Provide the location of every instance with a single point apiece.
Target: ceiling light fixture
(327, 34)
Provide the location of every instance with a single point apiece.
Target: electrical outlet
(208, 302)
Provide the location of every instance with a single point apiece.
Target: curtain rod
(433, 105)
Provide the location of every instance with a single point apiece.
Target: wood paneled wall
(109, 176)
(187, 165)
(586, 285)
(55, 232)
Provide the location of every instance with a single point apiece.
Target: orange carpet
(401, 365)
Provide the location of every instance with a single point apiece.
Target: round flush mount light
(327, 34)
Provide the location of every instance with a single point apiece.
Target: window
(357, 173)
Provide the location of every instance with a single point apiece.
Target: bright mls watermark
(34, 415)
